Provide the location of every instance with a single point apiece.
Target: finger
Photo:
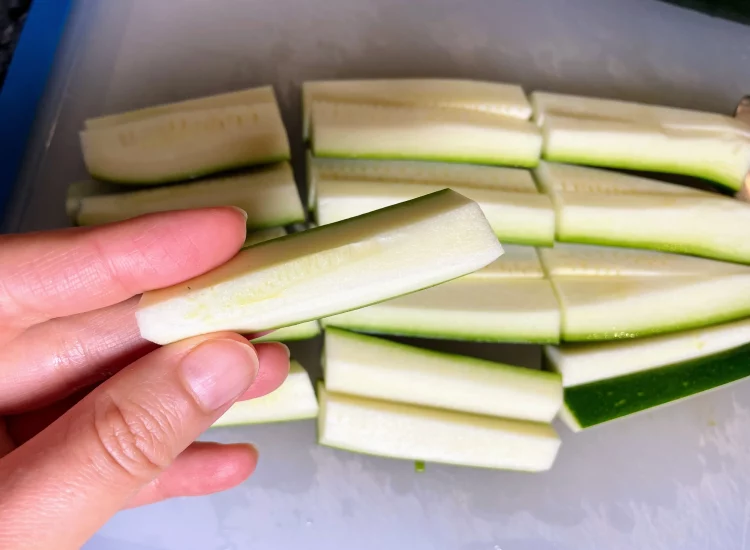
(6, 441)
(202, 469)
(51, 360)
(60, 487)
(59, 273)
(273, 369)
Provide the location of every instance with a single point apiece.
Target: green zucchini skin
(613, 398)
(732, 10)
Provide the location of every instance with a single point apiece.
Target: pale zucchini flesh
(371, 367)
(620, 135)
(606, 400)
(263, 235)
(185, 145)
(580, 364)
(422, 133)
(416, 171)
(80, 190)
(694, 222)
(269, 196)
(517, 262)
(579, 260)
(327, 270)
(293, 400)
(613, 308)
(515, 217)
(302, 331)
(507, 100)
(250, 96)
(504, 310)
(408, 432)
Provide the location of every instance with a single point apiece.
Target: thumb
(60, 487)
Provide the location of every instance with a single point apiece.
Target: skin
(94, 419)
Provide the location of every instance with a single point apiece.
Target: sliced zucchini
(580, 364)
(597, 402)
(613, 308)
(649, 214)
(269, 196)
(250, 96)
(500, 310)
(371, 367)
(263, 235)
(327, 270)
(576, 260)
(516, 263)
(507, 100)
(87, 188)
(616, 134)
(524, 218)
(422, 133)
(293, 400)
(396, 430)
(183, 145)
(415, 171)
(302, 331)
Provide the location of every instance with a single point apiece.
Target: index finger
(59, 273)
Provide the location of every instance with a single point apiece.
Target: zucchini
(525, 218)
(327, 270)
(183, 145)
(518, 262)
(507, 100)
(500, 310)
(302, 331)
(600, 207)
(396, 430)
(577, 260)
(365, 366)
(251, 96)
(80, 190)
(616, 134)
(732, 10)
(612, 308)
(422, 133)
(580, 364)
(601, 401)
(269, 196)
(293, 400)
(414, 171)
(263, 235)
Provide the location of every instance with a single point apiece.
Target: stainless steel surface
(677, 478)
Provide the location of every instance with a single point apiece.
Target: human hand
(93, 418)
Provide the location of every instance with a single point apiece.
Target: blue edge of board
(24, 86)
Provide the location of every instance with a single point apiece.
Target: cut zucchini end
(121, 179)
(695, 249)
(327, 270)
(374, 368)
(646, 165)
(294, 333)
(569, 419)
(606, 400)
(293, 400)
(521, 162)
(406, 432)
(429, 334)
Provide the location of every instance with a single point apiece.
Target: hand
(93, 418)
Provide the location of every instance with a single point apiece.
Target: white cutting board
(678, 478)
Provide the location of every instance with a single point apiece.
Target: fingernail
(218, 371)
(241, 211)
(286, 348)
